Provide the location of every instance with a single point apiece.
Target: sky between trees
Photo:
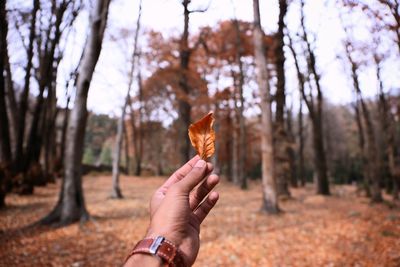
(110, 80)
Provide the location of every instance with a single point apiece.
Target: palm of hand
(177, 211)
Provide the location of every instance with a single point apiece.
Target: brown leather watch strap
(161, 247)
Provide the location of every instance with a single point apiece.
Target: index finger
(179, 174)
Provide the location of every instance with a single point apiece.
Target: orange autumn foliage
(202, 136)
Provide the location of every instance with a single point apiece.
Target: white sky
(109, 83)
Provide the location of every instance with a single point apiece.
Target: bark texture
(282, 167)
(71, 204)
(270, 201)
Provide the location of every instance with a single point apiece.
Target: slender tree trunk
(184, 107)
(235, 147)
(23, 102)
(388, 128)
(242, 178)
(11, 104)
(235, 132)
(228, 145)
(5, 148)
(372, 151)
(5, 156)
(215, 158)
(300, 78)
(116, 191)
(127, 153)
(290, 149)
(270, 200)
(316, 115)
(71, 204)
(139, 155)
(280, 136)
(301, 145)
(361, 145)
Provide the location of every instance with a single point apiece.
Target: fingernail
(200, 164)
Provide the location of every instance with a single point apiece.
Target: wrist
(143, 260)
(173, 238)
(159, 247)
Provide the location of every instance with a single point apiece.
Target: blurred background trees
(275, 118)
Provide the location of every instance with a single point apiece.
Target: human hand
(177, 210)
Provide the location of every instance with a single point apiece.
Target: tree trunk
(228, 145)
(242, 179)
(184, 107)
(71, 204)
(127, 153)
(388, 128)
(361, 145)
(270, 201)
(11, 104)
(5, 148)
(319, 157)
(215, 159)
(64, 130)
(235, 148)
(281, 158)
(372, 150)
(316, 114)
(290, 149)
(5, 156)
(300, 78)
(301, 145)
(116, 191)
(23, 102)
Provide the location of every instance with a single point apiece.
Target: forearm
(138, 260)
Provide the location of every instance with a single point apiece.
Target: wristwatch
(162, 248)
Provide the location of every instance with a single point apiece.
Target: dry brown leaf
(202, 136)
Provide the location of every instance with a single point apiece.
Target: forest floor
(341, 230)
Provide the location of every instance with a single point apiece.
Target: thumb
(194, 177)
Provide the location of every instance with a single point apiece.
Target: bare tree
(388, 128)
(184, 107)
(11, 104)
(23, 102)
(372, 150)
(301, 81)
(241, 174)
(116, 191)
(5, 156)
(5, 148)
(314, 105)
(270, 201)
(280, 136)
(71, 204)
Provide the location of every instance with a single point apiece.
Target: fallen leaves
(338, 231)
(202, 136)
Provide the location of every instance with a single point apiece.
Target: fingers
(197, 196)
(194, 177)
(182, 172)
(179, 174)
(205, 207)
